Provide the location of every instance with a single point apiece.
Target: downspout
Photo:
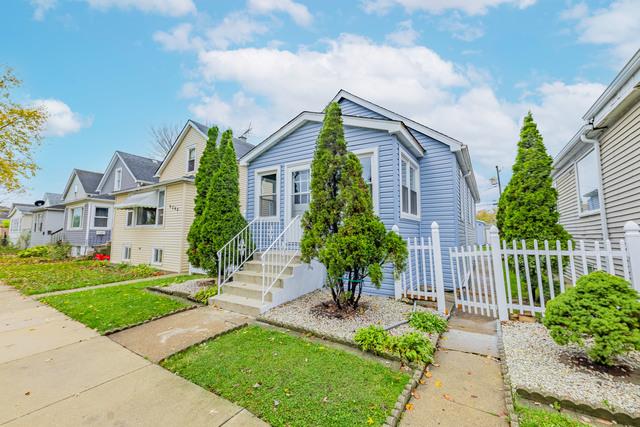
(603, 212)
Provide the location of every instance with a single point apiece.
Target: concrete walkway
(55, 371)
(465, 384)
(161, 338)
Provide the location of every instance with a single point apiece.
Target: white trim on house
(257, 189)
(126, 248)
(70, 180)
(195, 159)
(288, 184)
(375, 185)
(391, 126)
(145, 203)
(117, 180)
(92, 216)
(403, 155)
(175, 145)
(581, 213)
(160, 251)
(70, 225)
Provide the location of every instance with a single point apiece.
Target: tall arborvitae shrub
(340, 227)
(209, 163)
(527, 208)
(222, 218)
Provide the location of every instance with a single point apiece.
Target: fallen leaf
(437, 365)
(422, 381)
(257, 385)
(370, 421)
(448, 397)
(415, 394)
(28, 393)
(438, 383)
(276, 403)
(428, 374)
(474, 396)
(325, 399)
(409, 406)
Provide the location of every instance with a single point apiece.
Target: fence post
(437, 268)
(397, 282)
(632, 241)
(501, 295)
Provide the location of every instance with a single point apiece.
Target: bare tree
(162, 139)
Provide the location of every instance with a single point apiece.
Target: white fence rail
(280, 254)
(516, 277)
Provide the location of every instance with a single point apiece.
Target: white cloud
(405, 35)
(617, 26)
(470, 7)
(61, 120)
(163, 7)
(274, 86)
(297, 11)
(460, 29)
(41, 7)
(178, 38)
(235, 28)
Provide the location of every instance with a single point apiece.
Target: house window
(145, 216)
(117, 184)
(101, 217)
(160, 213)
(365, 160)
(410, 186)
(15, 224)
(588, 195)
(156, 256)
(268, 194)
(75, 219)
(126, 253)
(129, 218)
(191, 159)
(40, 221)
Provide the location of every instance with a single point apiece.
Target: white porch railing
(256, 236)
(280, 254)
(502, 278)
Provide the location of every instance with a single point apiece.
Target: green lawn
(531, 417)
(105, 309)
(286, 380)
(36, 276)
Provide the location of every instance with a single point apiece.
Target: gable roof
(54, 198)
(240, 145)
(394, 127)
(141, 169)
(22, 207)
(89, 181)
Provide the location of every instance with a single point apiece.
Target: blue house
(417, 175)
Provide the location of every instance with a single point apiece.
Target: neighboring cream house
(48, 220)
(596, 173)
(151, 222)
(20, 220)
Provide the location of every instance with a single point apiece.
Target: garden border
(514, 419)
(124, 328)
(564, 402)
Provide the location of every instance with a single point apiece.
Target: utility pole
(499, 184)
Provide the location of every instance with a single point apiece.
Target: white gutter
(603, 211)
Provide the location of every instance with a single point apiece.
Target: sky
(108, 70)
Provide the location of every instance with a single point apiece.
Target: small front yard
(36, 276)
(115, 307)
(286, 380)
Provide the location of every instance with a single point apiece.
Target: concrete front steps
(243, 293)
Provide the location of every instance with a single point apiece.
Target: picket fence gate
(501, 278)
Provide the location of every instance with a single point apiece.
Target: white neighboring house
(20, 218)
(47, 220)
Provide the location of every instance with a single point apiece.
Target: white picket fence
(501, 278)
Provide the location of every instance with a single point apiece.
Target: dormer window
(117, 181)
(191, 159)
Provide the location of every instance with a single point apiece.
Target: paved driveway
(55, 371)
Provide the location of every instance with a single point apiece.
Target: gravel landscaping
(302, 313)
(190, 287)
(537, 363)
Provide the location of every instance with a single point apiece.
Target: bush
(204, 294)
(59, 251)
(601, 313)
(36, 251)
(411, 347)
(428, 322)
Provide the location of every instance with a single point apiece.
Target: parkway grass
(286, 380)
(36, 276)
(115, 307)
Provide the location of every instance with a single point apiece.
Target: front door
(299, 194)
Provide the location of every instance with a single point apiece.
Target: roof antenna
(247, 132)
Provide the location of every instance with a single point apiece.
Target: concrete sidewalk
(55, 371)
(465, 385)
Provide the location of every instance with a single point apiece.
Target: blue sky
(107, 70)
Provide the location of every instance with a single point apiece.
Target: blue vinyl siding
(350, 108)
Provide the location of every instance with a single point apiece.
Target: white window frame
(125, 248)
(195, 159)
(133, 218)
(161, 208)
(135, 212)
(410, 161)
(582, 213)
(93, 216)
(70, 223)
(288, 191)
(117, 180)
(153, 256)
(373, 152)
(257, 188)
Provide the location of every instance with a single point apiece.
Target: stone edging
(179, 294)
(550, 399)
(124, 328)
(506, 379)
(393, 419)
